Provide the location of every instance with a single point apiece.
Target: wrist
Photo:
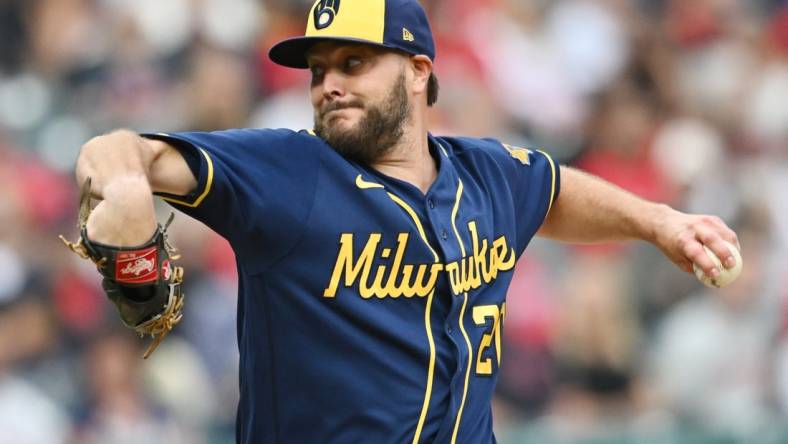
(126, 216)
(118, 157)
(132, 189)
(651, 219)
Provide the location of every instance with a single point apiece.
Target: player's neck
(410, 160)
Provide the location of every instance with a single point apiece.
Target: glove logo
(136, 267)
(166, 271)
(325, 11)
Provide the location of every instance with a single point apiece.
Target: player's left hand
(682, 237)
(142, 282)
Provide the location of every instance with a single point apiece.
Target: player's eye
(317, 73)
(352, 63)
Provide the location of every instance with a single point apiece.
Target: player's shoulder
(490, 149)
(461, 145)
(268, 136)
(247, 142)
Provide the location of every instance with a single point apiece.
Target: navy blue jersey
(368, 311)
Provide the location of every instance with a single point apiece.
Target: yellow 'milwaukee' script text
(394, 278)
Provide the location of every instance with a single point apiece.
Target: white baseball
(727, 275)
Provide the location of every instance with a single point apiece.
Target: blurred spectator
(28, 415)
(118, 411)
(712, 355)
(620, 137)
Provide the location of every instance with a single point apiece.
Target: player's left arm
(589, 209)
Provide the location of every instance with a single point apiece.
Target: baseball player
(373, 256)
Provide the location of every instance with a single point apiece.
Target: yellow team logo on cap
(325, 11)
(407, 35)
(356, 19)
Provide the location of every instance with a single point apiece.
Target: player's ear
(421, 67)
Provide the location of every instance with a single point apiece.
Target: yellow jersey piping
(415, 218)
(454, 217)
(552, 184)
(467, 370)
(208, 185)
(427, 324)
(445, 153)
(462, 313)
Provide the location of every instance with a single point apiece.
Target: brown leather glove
(141, 281)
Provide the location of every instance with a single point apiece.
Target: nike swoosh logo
(364, 185)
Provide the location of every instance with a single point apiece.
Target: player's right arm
(590, 209)
(254, 187)
(125, 169)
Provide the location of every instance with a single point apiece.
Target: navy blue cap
(395, 24)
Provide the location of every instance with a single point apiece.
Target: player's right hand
(682, 237)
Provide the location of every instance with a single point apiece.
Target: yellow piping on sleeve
(208, 184)
(552, 185)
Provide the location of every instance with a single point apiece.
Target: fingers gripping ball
(727, 275)
(141, 281)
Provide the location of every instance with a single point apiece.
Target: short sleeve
(538, 186)
(535, 182)
(255, 187)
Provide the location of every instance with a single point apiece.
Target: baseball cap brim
(292, 52)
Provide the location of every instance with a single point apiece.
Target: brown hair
(432, 89)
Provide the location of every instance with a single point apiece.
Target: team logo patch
(136, 267)
(407, 35)
(324, 12)
(521, 154)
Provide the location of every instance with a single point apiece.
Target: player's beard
(376, 133)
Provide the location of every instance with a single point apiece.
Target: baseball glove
(141, 281)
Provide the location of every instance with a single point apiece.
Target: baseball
(727, 275)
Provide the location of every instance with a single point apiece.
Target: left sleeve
(535, 180)
(255, 187)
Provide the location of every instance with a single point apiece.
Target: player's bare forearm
(589, 209)
(126, 216)
(592, 210)
(125, 169)
(123, 154)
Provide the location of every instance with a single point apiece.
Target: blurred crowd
(680, 101)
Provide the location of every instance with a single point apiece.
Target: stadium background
(680, 101)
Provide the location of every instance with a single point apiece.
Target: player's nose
(333, 85)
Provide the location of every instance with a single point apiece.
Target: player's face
(360, 98)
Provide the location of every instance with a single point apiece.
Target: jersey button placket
(431, 204)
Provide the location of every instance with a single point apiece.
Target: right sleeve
(255, 187)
